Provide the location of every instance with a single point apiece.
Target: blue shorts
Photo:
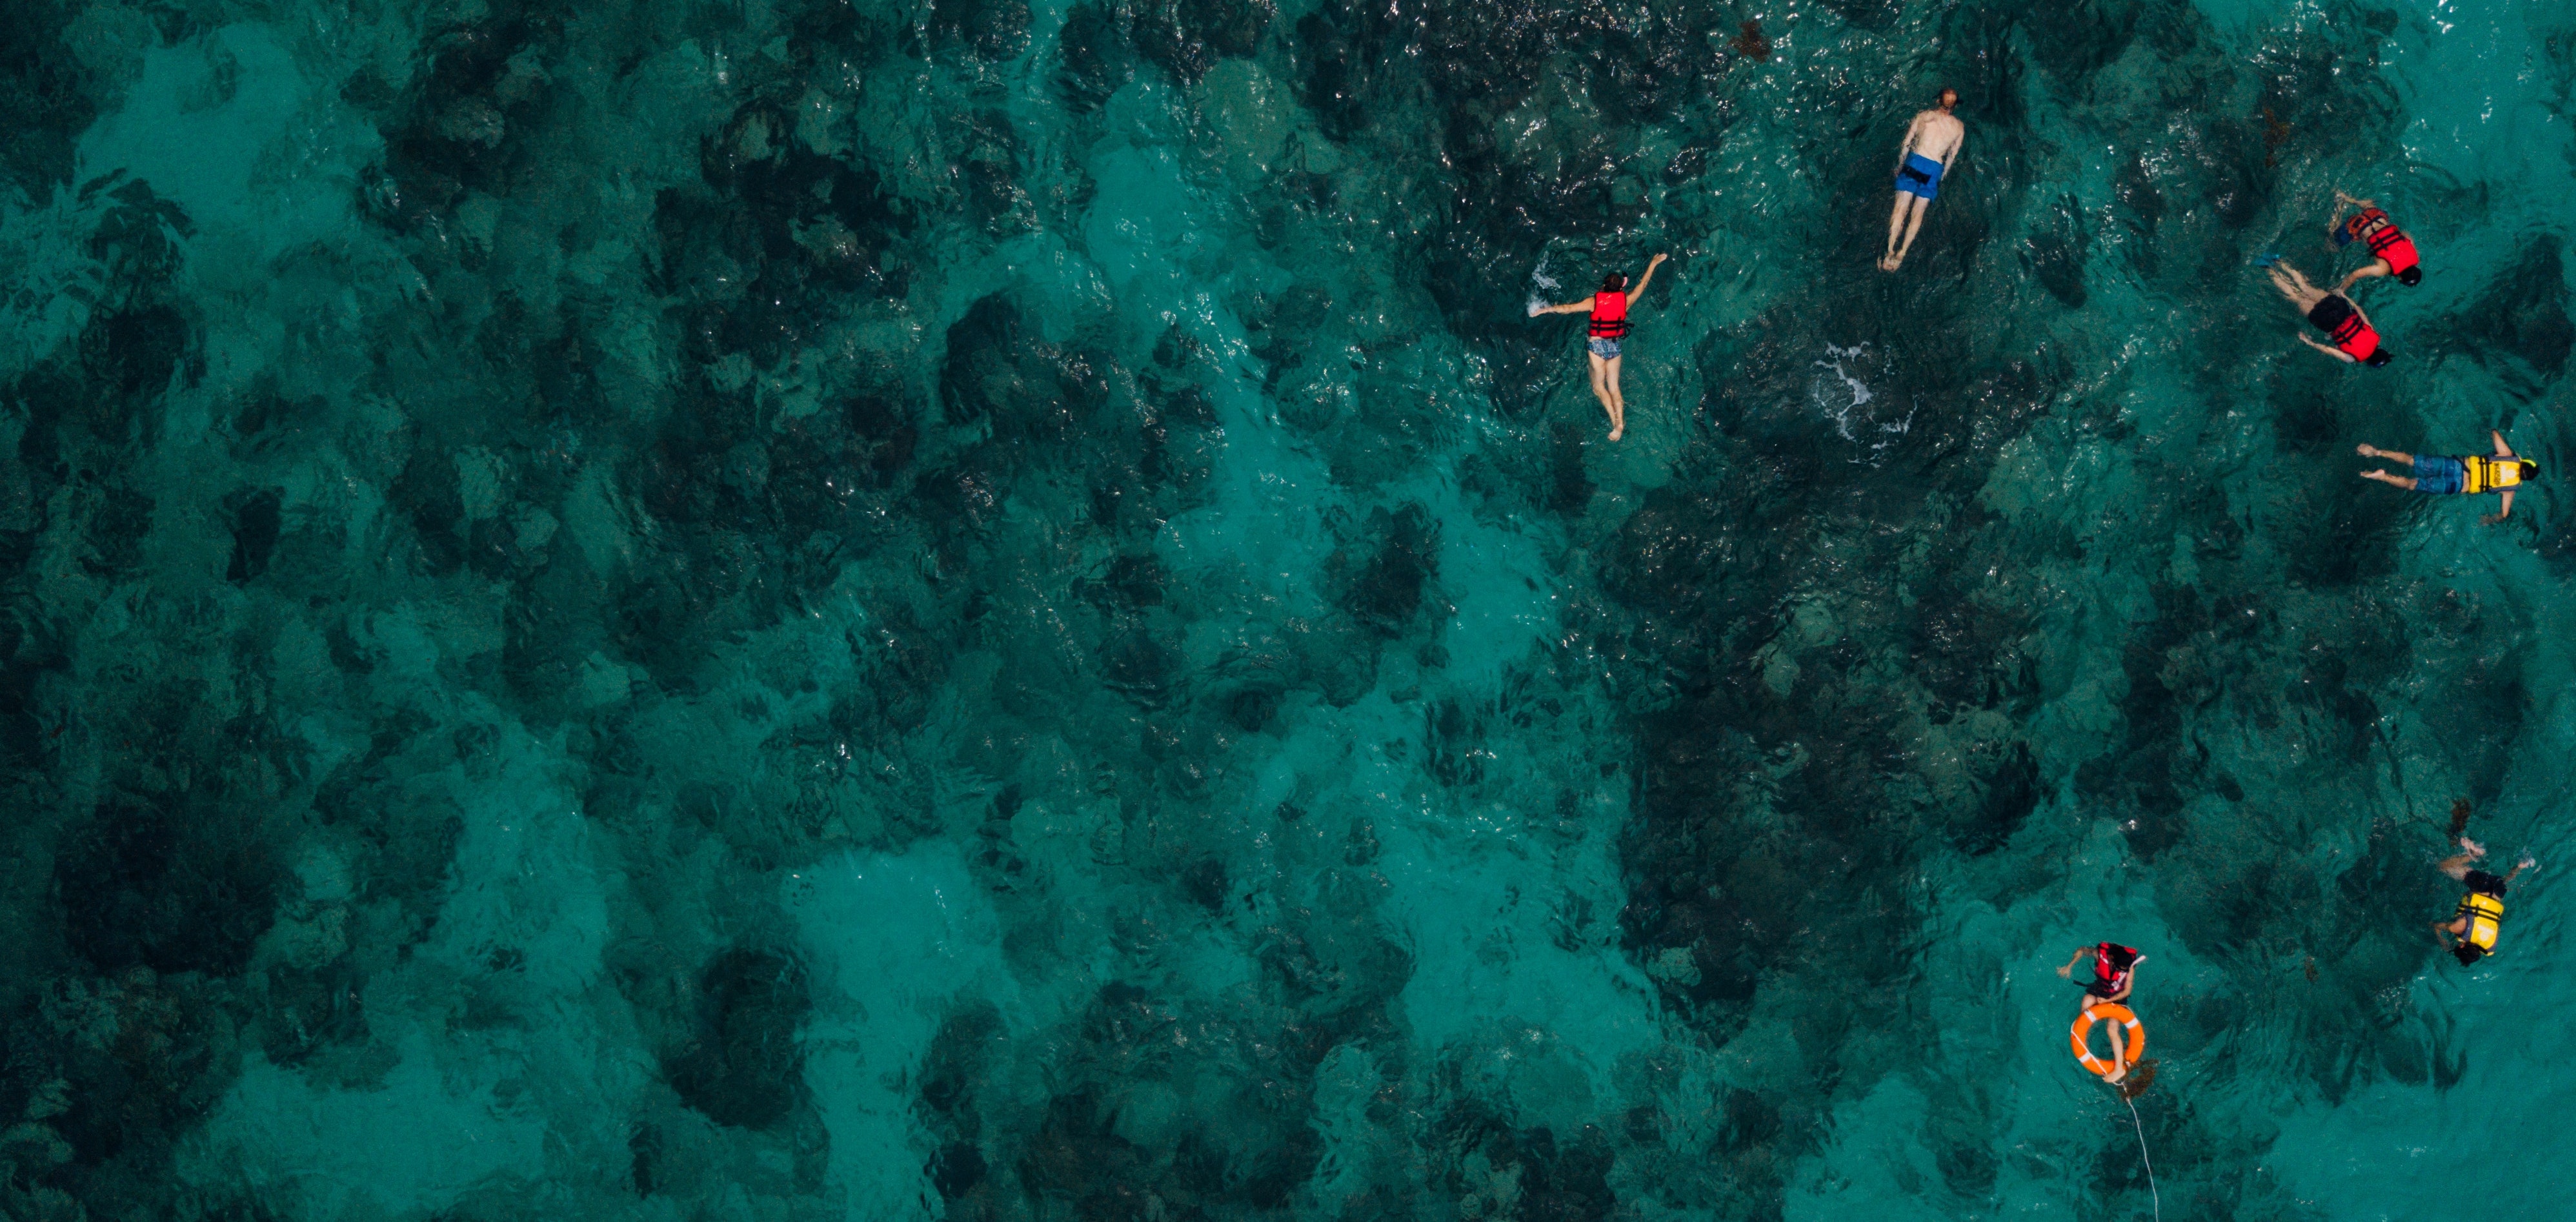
(1921, 176)
(2438, 476)
(1606, 349)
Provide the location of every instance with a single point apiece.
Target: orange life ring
(2078, 1037)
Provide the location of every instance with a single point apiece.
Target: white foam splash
(1849, 404)
(1539, 280)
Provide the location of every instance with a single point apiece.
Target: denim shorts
(2438, 476)
(1606, 349)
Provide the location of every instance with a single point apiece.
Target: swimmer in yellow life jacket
(2470, 474)
(2473, 926)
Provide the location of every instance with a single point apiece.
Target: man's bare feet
(1888, 262)
(1614, 433)
(2366, 450)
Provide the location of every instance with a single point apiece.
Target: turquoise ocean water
(991, 609)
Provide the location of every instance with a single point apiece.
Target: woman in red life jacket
(2353, 337)
(1609, 310)
(2115, 970)
(2392, 253)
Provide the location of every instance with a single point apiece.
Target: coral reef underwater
(985, 609)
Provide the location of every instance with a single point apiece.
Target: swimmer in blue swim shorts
(2470, 474)
(1932, 143)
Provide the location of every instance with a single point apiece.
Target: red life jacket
(1609, 316)
(2113, 980)
(2354, 338)
(2388, 241)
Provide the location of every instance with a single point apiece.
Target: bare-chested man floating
(1931, 143)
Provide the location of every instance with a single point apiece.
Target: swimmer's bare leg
(1913, 225)
(1895, 229)
(2294, 285)
(1605, 387)
(2368, 450)
(1606, 391)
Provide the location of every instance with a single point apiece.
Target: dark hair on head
(1614, 282)
(2411, 277)
(2120, 956)
(2530, 469)
(1944, 92)
(2378, 358)
(2468, 954)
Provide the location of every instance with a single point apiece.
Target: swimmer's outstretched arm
(2337, 353)
(1571, 307)
(2502, 450)
(1905, 146)
(1640, 290)
(2068, 971)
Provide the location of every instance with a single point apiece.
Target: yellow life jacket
(2485, 913)
(2480, 473)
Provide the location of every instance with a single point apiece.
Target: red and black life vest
(1609, 315)
(2387, 242)
(2354, 338)
(2112, 980)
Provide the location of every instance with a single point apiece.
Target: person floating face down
(1609, 325)
(2473, 926)
(1932, 143)
(2470, 474)
(2392, 253)
(2354, 339)
(2115, 969)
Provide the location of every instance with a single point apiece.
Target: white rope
(2152, 1195)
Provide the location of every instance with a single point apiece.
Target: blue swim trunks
(1921, 176)
(1606, 349)
(2438, 476)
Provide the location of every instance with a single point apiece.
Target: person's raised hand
(1536, 310)
(2527, 862)
(1657, 259)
